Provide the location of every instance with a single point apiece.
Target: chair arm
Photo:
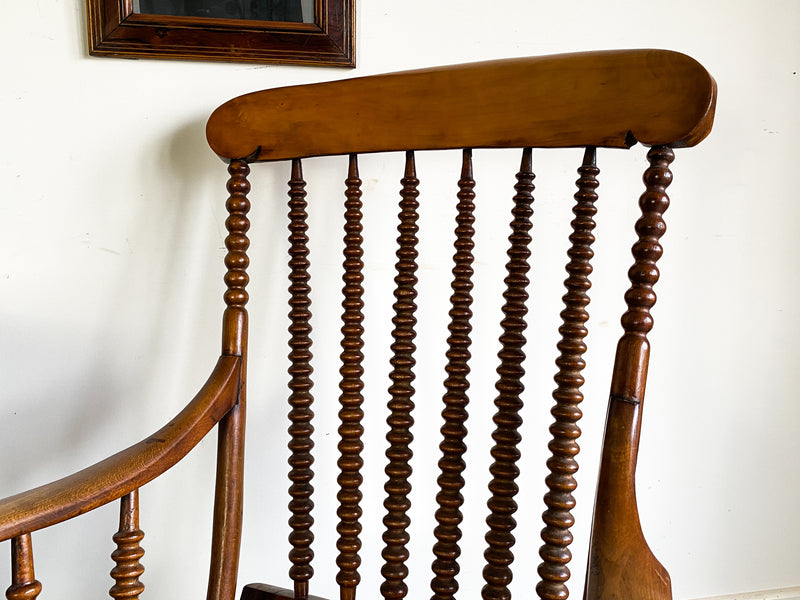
(129, 469)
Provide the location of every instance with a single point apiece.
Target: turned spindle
(350, 398)
(401, 392)
(301, 429)
(502, 506)
(128, 552)
(228, 496)
(236, 259)
(564, 447)
(24, 585)
(454, 414)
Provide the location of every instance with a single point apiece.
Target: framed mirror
(305, 32)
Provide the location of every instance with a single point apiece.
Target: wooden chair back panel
(558, 519)
(609, 99)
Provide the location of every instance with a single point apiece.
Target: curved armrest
(128, 470)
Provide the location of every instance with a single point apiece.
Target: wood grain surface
(609, 98)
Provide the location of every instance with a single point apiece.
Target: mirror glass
(291, 11)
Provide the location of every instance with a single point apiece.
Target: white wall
(110, 288)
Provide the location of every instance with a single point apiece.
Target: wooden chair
(603, 99)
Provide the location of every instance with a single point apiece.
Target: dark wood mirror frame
(116, 30)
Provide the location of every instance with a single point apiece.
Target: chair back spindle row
(561, 483)
(562, 465)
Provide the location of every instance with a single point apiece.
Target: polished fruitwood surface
(456, 398)
(229, 490)
(566, 413)
(619, 557)
(301, 398)
(129, 551)
(128, 470)
(606, 98)
(401, 404)
(24, 585)
(505, 452)
(351, 386)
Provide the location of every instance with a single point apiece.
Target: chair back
(603, 99)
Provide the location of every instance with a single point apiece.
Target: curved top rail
(607, 98)
(129, 469)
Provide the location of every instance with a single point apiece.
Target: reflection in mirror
(292, 11)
